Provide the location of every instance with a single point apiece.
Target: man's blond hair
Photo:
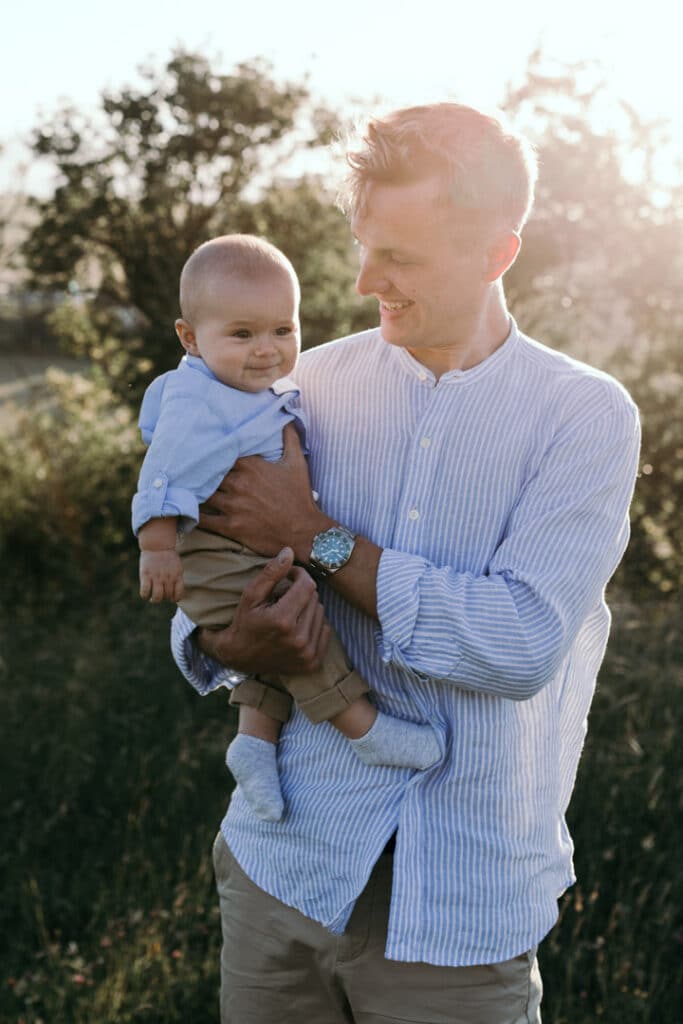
(484, 164)
(238, 255)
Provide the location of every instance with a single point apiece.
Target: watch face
(332, 549)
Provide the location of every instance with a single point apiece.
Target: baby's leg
(216, 571)
(252, 759)
(338, 694)
(381, 739)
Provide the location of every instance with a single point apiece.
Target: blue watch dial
(332, 548)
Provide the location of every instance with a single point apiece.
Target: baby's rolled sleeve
(158, 499)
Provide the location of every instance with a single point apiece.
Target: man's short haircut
(485, 165)
(244, 256)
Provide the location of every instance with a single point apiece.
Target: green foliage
(615, 954)
(599, 277)
(67, 471)
(165, 167)
(114, 785)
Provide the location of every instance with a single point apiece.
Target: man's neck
(474, 341)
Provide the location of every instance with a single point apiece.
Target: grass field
(113, 786)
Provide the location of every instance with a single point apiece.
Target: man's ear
(187, 337)
(502, 254)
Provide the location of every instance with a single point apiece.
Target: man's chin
(394, 335)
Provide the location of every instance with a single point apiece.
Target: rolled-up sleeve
(156, 497)
(190, 452)
(505, 632)
(202, 672)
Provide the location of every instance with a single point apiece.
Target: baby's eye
(284, 331)
(242, 334)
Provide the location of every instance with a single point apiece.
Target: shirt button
(422, 375)
(413, 514)
(425, 442)
(158, 482)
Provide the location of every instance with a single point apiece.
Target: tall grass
(617, 952)
(113, 786)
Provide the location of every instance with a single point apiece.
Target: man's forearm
(357, 581)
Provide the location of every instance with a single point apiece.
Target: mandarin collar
(417, 369)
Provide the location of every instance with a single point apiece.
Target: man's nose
(370, 280)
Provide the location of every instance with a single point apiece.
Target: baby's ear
(187, 337)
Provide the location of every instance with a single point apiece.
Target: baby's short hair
(484, 164)
(235, 255)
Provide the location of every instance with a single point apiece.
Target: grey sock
(395, 742)
(253, 763)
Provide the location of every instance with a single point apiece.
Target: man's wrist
(302, 543)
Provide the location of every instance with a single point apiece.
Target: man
(481, 483)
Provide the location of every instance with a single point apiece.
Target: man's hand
(273, 632)
(161, 576)
(268, 505)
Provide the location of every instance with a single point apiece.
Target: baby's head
(239, 304)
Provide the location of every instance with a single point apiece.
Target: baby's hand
(161, 576)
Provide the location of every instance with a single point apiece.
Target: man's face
(247, 331)
(426, 262)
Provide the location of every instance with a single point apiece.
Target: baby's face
(248, 331)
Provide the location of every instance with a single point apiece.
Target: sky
(379, 52)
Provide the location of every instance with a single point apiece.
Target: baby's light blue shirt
(196, 428)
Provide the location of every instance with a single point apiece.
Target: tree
(600, 274)
(167, 166)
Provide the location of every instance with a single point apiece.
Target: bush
(67, 473)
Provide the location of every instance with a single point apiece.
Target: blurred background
(128, 138)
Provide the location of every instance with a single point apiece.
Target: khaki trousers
(215, 572)
(279, 966)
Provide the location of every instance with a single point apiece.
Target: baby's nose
(264, 345)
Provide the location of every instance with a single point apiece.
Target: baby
(239, 326)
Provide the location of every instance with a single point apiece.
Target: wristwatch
(331, 551)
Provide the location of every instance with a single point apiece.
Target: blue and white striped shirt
(500, 496)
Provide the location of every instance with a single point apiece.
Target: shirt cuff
(398, 603)
(205, 674)
(159, 500)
